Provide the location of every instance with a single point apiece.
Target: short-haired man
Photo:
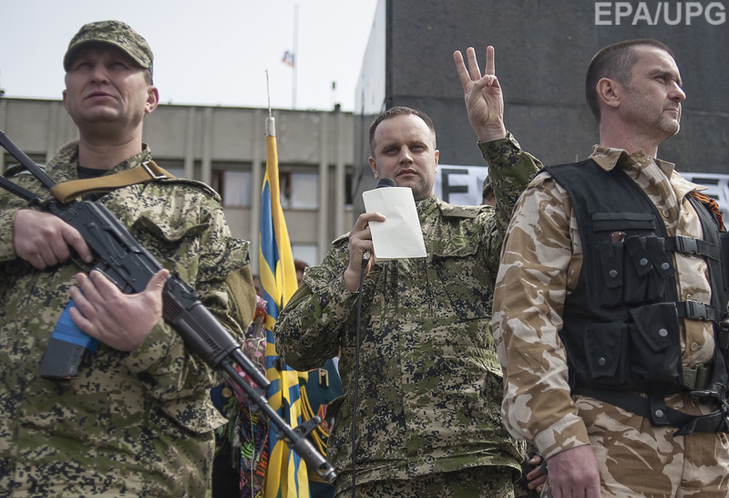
(609, 298)
(427, 417)
(137, 419)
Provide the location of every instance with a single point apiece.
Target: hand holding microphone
(361, 237)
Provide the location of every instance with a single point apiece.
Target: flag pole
(296, 55)
(270, 121)
(287, 473)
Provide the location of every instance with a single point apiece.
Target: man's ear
(373, 167)
(609, 92)
(152, 99)
(64, 100)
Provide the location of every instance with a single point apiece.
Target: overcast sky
(214, 52)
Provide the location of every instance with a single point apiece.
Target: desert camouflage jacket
(429, 381)
(139, 423)
(541, 264)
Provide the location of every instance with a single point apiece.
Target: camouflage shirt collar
(608, 157)
(64, 165)
(135, 160)
(427, 206)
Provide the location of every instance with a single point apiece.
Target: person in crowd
(423, 386)
(300, 267)
(610, 299)
(137, 418)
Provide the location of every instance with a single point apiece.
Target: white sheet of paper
(399, 236)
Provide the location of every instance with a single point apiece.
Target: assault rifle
(130, 266)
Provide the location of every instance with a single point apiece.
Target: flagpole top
(270, 121)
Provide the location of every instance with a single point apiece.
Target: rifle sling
(147, 172)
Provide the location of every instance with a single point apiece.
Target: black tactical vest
(621, 323)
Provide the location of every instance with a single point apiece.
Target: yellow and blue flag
(286, 476)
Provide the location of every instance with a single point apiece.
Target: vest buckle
(697, 310)
(687, 245)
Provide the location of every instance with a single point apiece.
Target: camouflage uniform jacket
(541, 263)
(429, 382)
(130, 424)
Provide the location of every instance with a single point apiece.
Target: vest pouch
(654, 349)
(599, 356)
(638, 269)
(662, 271)
(626, 264)
(611, 264)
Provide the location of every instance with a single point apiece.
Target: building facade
(225, 147)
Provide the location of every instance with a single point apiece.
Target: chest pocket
(161, 228)
(634, 267)
(464, 277)
(176, 245)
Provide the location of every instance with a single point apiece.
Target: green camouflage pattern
(130, 424)
(115, 33)
(430, 383)
(476, 482)
(486, 186)
(541, 264)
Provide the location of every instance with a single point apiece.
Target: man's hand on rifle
(44, 240)
(121, 321)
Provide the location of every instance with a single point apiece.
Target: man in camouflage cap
(427, 415)
(116, 34)
(610, 298)
(136, 420)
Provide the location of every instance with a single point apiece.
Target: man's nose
(406, 155)
(99, 74)
(677, 93)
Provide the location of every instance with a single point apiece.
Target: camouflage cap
(114, 33)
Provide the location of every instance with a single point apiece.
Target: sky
(212, 52)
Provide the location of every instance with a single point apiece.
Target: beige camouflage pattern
(541, 262)
(131, 424)
(430, 382)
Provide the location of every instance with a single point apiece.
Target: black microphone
(384, 182)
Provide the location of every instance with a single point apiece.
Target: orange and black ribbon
(711, 205)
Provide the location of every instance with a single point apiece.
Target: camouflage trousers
(638, 459)
(478, 482)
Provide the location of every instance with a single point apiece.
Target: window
(299, 190)
(236, 188)
(307, 253)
